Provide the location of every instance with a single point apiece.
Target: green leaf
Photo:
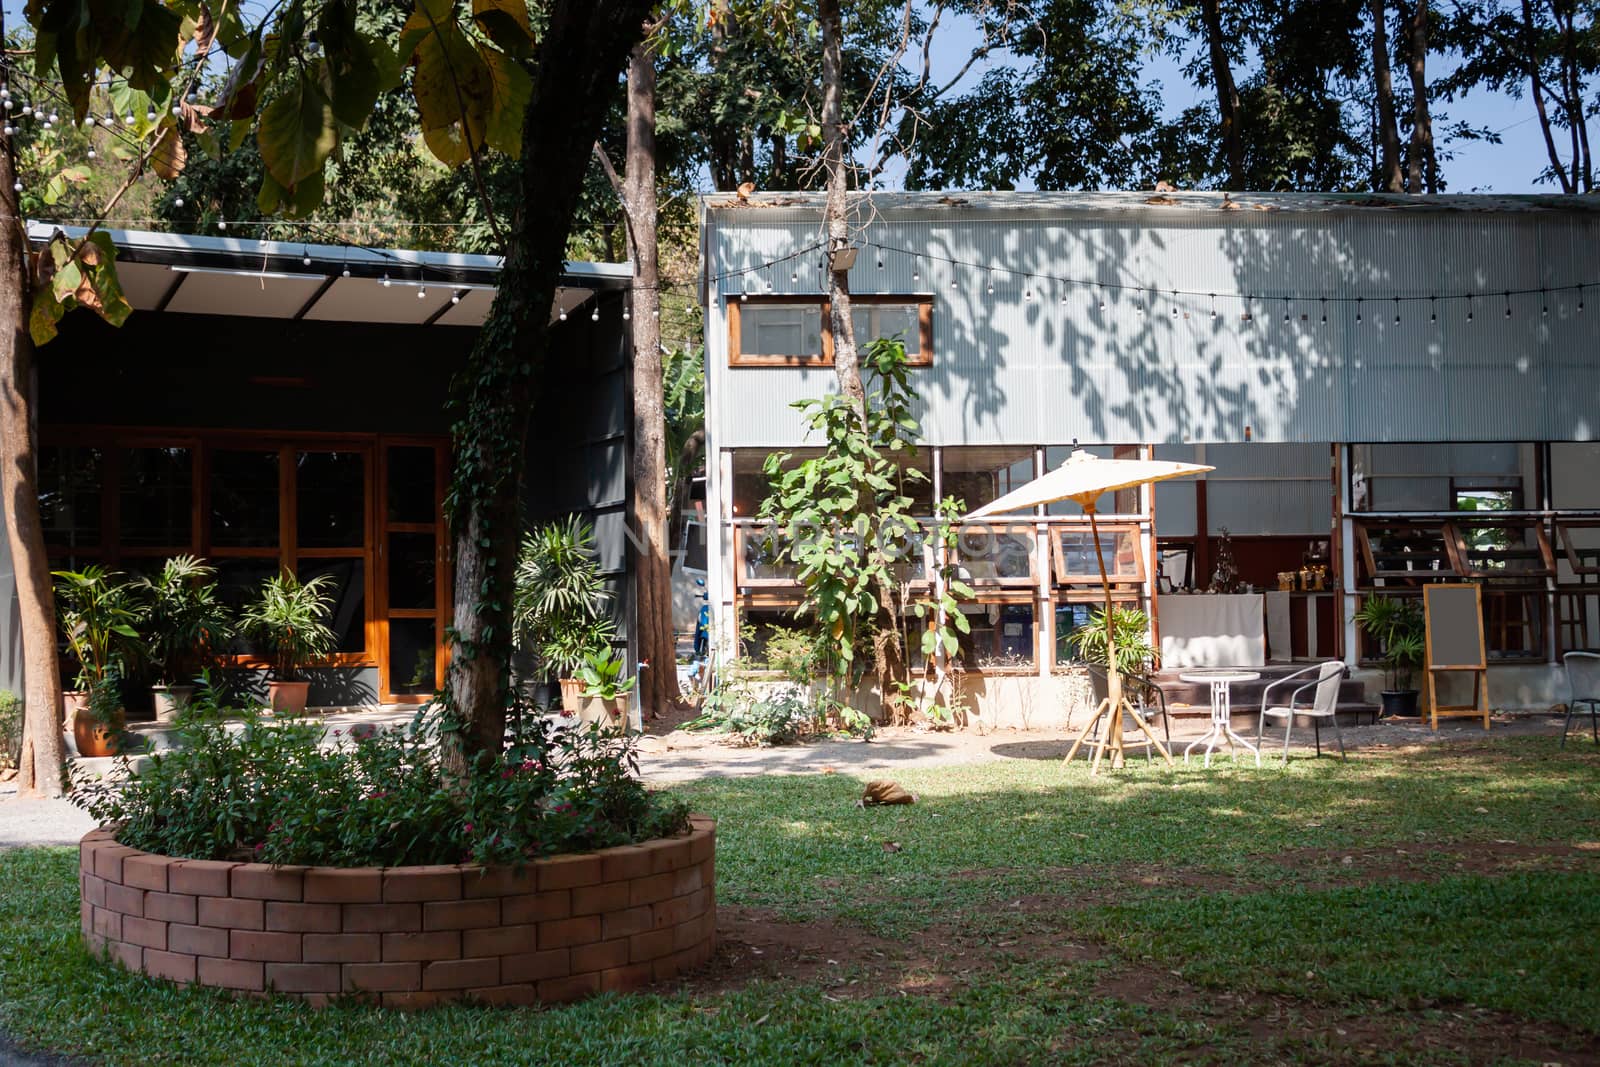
(506, 23)
(297, 132)
(511, 88)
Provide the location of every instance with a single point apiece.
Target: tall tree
(39, 769)
(1227, 94)
(1389, 179)
(1422, 163)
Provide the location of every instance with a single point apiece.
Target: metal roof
(1068, 204)
(343, 283)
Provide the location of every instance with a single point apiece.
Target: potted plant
(605, 688)
(1396, 624)
(1134, 651)
(97, 611)
(560, 600)
(184, 623)
(288, 618)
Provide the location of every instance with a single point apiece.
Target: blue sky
(1510, 167)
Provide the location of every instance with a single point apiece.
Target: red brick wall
(408, 937)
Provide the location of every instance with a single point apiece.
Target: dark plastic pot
(1401, 703)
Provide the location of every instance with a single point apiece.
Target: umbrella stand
(1110, 710)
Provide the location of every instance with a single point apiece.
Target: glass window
(1425, 476)
(979, 475)
(413, 662)
(411, 570)
(244, 498)
(1000, 637)
(348, 618)
(1076, 562)
(750, 482)
(157, 494)
(901, 322)
(331, 498)
(69, 495)
(988, 553)
(238, 584)
(773, 331)
(411, 496)
(1074, 615)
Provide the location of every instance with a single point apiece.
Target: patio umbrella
(1082, 478)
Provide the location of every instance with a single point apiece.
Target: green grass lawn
(1427, 907)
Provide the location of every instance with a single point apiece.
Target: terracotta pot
(171, 699)
(572, 697)
(287, 698)
(611, 713)
(93, 738)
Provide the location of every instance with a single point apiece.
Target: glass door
(414, 593)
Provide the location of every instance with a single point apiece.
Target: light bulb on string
(1508, 303)
(386, 282)
(1397, 311)
(794, 277)
(1544, 304)
(1469, 307)
(222, 224)
(16, 187)
(594, 316)
(1247, 317)
(1358, 309)
(916, 271)
(1285, 309)
(991, 283)
(177, 201)
(1213, 306)
(422, 292)
(345, 273)
(627, 311)
(150, 116)
(1324, 311)
(455, 298)
(1580, 300)
(1433, 309)
(128, 119)
(305, 256)
(1027, 293)
(1138, 306)
(9, 130)
(1174, 303)
(1102, 301)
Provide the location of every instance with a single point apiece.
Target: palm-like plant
(1396, 623)
(288, 617)
(184, 621)
(559, 604)
(98, 612)
(1132, 633)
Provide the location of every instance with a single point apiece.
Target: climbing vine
(845, 520)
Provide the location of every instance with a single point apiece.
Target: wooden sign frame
(1478, 669)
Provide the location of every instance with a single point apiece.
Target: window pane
(412, 656)
(244, 499)
(331, 492)
(239, 583)
(750, 482)
(1076, 559)
(411, 485)
(989, 553)
(157, 491)
(348, 588)
(69, 496)
(781, 330)
(411, 570)
(1001, 636)
(978, 476)
(885, 321)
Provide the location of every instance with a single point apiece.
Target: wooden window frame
(987, 585)
(1058, 559)
(1415, 575)
(923, 303)
(287, 553)
(1568, 549)
(1461, 555)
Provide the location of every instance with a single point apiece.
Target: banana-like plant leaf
(297, 132)
(168, 156)
(506, 23)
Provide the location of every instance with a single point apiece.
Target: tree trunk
(39, 769)
(683, 484)
(653, 583)
(1227, 94)
(1388, 177)
(1422, 164)
(1571, 67)
(583, 50)
(1537, 91)
(888, 660)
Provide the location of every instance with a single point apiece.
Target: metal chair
(1324, 704)
(1144, 696)
(1583, 677)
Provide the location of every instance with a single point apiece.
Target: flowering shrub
(271, 791)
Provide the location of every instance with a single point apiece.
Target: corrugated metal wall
(1022, 366)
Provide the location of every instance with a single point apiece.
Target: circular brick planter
(408, 937)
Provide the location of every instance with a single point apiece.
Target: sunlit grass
(1227, 881)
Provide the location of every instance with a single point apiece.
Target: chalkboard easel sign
(1454, 640)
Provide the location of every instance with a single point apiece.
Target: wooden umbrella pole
(1113, 676)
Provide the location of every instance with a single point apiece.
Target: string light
(595, 316)
(1508, 303)
(422, 292)
(1358, 309)
(1469, 307)
(1213, 306)
(1433, 309)
(916, 273)
(1247, 316)
(1397, 311)
(1324, 311)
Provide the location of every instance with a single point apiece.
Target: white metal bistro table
(1221, 712)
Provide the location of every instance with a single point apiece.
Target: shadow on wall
(339, 687)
